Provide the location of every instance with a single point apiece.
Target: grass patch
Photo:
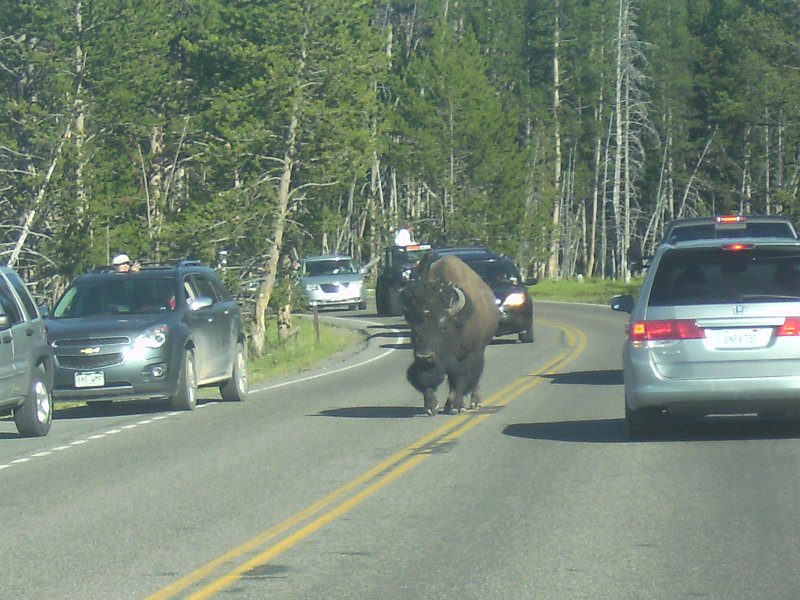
(592, 290)
(303, 353)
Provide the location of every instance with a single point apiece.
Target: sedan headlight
(155, 337)
(515, 299)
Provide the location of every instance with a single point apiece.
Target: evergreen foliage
(248, 130)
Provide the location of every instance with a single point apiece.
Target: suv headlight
(155, 337)
(515, 299)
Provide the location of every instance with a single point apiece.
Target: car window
(496, 271)
(220, 290)
(713, 276)
(8, 307)
(682, 233)
(341, 266)
(203, 287)
(124, 295)
(24, 295)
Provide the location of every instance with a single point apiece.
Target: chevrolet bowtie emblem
(93, 350)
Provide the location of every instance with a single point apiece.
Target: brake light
(737, 247)
(790, 327)
(676, 329)
(731, 219)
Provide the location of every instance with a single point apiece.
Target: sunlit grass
(592, 290)
(302, 353)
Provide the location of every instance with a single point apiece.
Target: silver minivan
(332, 281)
(715, 330)
(26, 363)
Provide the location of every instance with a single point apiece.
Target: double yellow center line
(225, 570)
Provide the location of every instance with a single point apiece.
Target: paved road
(334, 485)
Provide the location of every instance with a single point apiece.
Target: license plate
(90, 379)
(757, 337)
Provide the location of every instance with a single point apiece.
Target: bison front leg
(476, 401)
(431, 403)
(426, 377)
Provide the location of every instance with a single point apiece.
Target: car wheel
(527, 335)
(642, 423)
(380, 301)
(362, 305)
(186, 398)
(34, 416)
(235, 389)
(394, 307)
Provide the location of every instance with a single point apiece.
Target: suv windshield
(127, 294)
(727, 274)
(495, 271)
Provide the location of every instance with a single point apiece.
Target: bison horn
(458, 304)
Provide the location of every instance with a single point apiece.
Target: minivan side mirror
(622, 303)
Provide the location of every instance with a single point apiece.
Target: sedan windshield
(128, 294)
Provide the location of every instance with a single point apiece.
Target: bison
(453, 316)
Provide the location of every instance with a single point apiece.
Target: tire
(235, 389)
(394, 307)
(642, 424)
(381, 301)
(527, 336)
(362, 305)
(186, 397)
(35, 415)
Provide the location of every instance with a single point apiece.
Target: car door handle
(6, 339)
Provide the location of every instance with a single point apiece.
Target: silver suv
(715, 330)
(26, 365)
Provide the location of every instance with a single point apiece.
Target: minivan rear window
(720, 275)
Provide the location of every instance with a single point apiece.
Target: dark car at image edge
(159, 333)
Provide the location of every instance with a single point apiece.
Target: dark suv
(26, 367)
(399, 265)
(161, 332)
(502, 276)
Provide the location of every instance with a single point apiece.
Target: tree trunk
(552, 265)
(259, 326)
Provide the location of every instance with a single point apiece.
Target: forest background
(565, 133)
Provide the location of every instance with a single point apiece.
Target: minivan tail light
(790, 327)
(675, 329)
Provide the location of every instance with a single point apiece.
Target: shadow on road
(612, 431)
(601, 377)
(122, 408)
(374, 412)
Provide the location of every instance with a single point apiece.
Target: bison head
(433, 311)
